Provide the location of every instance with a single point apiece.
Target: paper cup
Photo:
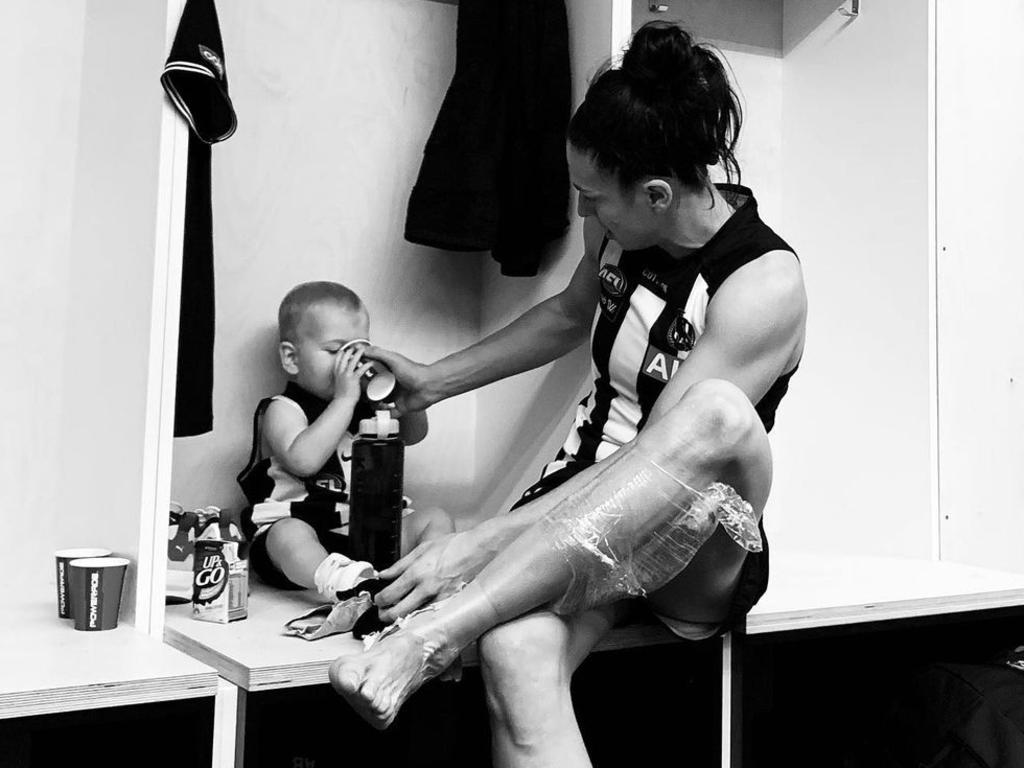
(96, 584)
(65, 556)
(377, 382)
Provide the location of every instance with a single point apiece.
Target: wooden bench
(807, 591)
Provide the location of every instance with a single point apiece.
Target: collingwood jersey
(651, 312)
(274, 493)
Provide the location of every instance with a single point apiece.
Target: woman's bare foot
(377, 681)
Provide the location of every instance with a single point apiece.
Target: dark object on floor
(959, 716)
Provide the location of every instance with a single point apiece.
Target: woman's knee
(721, 417)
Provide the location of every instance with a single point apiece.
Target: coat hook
(854, 10)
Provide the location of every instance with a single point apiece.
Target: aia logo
(213, 58)
(659, 365)
(681, 334)
(613, 282)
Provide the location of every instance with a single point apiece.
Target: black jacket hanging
(494, 174)
(196, 82)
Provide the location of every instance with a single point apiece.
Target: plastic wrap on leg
(642, 535)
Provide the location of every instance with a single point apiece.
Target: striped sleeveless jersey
(651, 312)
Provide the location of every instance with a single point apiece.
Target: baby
(297, 477)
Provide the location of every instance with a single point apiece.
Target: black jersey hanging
(494, 174)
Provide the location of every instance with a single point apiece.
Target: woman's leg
(701, 440)
(527, 664)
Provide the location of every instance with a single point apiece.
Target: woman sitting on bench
(695, 311)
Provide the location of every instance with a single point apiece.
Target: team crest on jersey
(324, 484)
(660, 365)
(681, 334)
(213, 58)
(613, 290)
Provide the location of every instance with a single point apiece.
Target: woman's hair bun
(661, 56)
(669, 108)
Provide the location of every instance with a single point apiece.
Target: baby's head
(315, 321)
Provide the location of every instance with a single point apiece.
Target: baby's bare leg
(425, 525)
(294, 548)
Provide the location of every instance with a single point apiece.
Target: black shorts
(753, 579)
(269, 573)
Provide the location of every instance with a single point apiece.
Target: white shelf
(254, 653)
(46, 666)
(821, 590)
(806, 591)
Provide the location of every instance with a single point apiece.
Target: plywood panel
(980, 281)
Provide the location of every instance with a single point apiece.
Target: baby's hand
(348, 369)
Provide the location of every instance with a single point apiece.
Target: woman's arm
(754, 332)
(543, 333)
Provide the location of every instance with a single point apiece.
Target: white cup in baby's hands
(377, 381)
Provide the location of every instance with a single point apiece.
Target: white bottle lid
(383, 425)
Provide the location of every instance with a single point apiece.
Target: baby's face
(324, 330)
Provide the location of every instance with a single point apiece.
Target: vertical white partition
(854, 442)
(980, 74)
(82, 204)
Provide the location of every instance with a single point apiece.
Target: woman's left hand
(433, 570)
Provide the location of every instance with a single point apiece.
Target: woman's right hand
(413, 392)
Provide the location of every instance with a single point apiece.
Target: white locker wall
(522, 421)
(855, 438)
(81, 235)
(980, 76)
(334, 103)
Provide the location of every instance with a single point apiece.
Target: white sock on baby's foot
(338, 573)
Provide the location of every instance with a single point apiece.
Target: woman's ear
(659, 195)
(289, 357)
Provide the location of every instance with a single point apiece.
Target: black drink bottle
(375, 499)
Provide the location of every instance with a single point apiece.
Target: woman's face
(624, 214)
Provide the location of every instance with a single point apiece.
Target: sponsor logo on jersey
(213, 58)
(613, 291)
(660, 365)
(652, 277)
(681, 334)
